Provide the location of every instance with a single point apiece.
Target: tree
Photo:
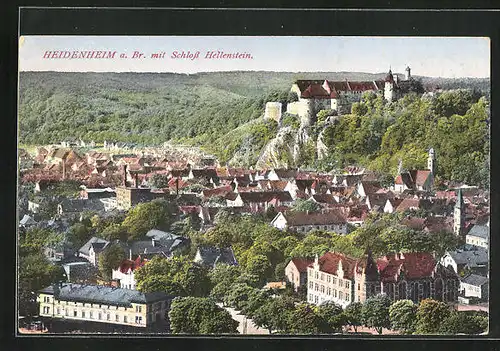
(402, 315)
(260, 266)
(301, 205)
(110, 259)
(430, 314)
(157, 214)
(303, 319)
(256, 299)
(353, 315)
(158, 181)
(114, 232)
(178, 276)
(238, 296)
(35, 273)
(332, 315)
(464, 322)
(274, 314)
(375, 312)
(79, 234)
(222, 277)
(194, 315)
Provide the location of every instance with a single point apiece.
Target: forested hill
(156, 107)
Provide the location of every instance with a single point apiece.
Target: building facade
(103, 304)
(414, 276)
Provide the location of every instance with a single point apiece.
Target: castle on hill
(316, 95)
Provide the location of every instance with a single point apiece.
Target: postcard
(240, 185)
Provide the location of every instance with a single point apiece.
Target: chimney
(137, 180)
(125, 175)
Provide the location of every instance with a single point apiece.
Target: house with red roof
(414, 276)
(296, 272)
(124, 273)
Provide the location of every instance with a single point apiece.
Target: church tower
(459, 215)
(389, 87)
(407, 73)
(431, 158)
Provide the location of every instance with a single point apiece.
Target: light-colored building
(103, 304)
(304, 222)
(415, 276)
(296, 272)
(475, 286)
(479, 235)
(125, 273)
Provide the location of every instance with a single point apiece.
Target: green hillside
(218, 111)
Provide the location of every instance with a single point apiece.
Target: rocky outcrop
(279, 152)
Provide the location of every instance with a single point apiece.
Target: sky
(450, 57)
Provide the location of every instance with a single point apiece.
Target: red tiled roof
(329, 263)
(221, 191)
(315, 218)
(127, 265)
(302, 263)
(407, 204)
(414, 265)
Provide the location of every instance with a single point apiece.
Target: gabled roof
(301, 264)
(329, 263)
(131, 265)
(470, 255)
(475, 280)
(316, 218)
(414, 265)
(100, 294)
(480, 231)
(85, 249)
(211, 256)
(324, 199)
(265, 196)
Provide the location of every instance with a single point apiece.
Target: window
(328, 278)
(117, 318)
(138, 309)
(75, 312)
(347, 297)
(335, 292)
(322, 276)
(334, 280)
(58, 310)
(341, 283)
(310, 285)
(99, 316)
(310, 298)
(341, 295)
(347, 285)
(315, 299)
(108, 316)
(328, 291)
(322, 288)
(91, 314)
(125, 319)
(316, 287)
(138, 320)
(316, 275)
(83, 314)
(359, 287)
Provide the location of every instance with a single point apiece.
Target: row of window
(329, 278)
(91, 315)
(330, 291)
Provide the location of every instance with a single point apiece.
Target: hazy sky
(437, 57)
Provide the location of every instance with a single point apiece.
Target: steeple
(400, 166)
(430, 160)
(459, 215)
(407, 73)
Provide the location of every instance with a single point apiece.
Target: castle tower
(407, 73)
(459, 215)
(430, 160)
(389, 87)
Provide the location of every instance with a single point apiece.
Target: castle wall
(273, 111)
